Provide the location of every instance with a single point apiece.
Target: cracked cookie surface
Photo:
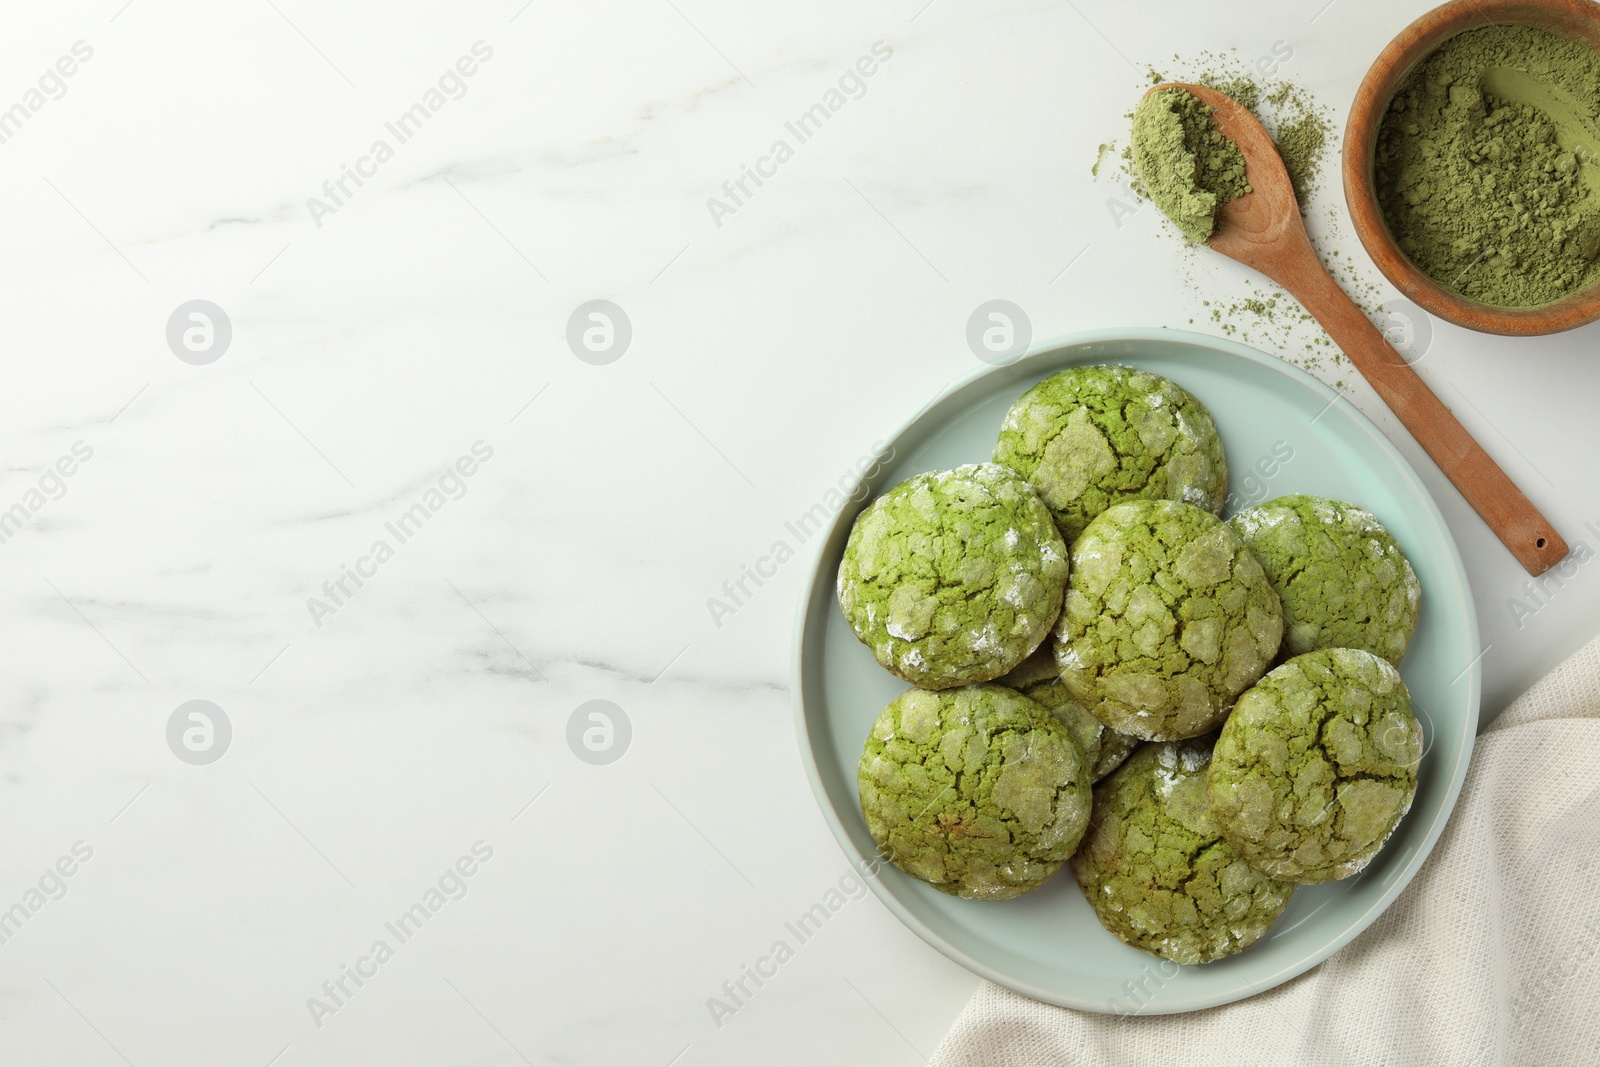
(953, 577)
(1168, 617)
(1342, 578)
(1317, 765)
(1038, 680)
(1090, 437)
(1157, 870)
(978, 791)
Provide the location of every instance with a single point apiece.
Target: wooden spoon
(1263, 230)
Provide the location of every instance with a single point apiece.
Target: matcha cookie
(1343, 580)
(977, 791)
(953, 577)
(1114, 749)
(1157, 871)
(1316, 765)
(1039, 681)
(1090, 437)
(1168, 617)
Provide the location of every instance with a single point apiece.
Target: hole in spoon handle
(1541, 548)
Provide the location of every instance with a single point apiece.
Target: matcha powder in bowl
(1487, 166)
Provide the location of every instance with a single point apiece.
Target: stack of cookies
(1198, 714)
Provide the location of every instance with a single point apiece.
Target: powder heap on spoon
(1187, 166)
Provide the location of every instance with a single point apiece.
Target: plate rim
(1038, 352)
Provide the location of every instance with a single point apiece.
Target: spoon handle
(1490, 491)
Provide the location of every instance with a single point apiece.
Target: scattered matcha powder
(1100, 157)
(1488, 165)
(1241, 89)
(1301, 144)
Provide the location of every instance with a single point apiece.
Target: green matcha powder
(1488, 166)
(1187, 166)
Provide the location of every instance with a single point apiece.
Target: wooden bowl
(1578, 19)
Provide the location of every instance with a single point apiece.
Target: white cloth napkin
(1490, 956)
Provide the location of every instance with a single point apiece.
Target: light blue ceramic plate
(1048, 943)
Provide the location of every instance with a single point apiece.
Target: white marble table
(398, 532)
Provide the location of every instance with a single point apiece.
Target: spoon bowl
(1261, 228)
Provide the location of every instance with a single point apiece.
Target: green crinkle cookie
(1114, 749)
(977, 791)
(1038, 680)
(1090, 437)
(953, 577)
(1342, 578)
(1168, 618)
(1316, 765)
(1157, 870)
